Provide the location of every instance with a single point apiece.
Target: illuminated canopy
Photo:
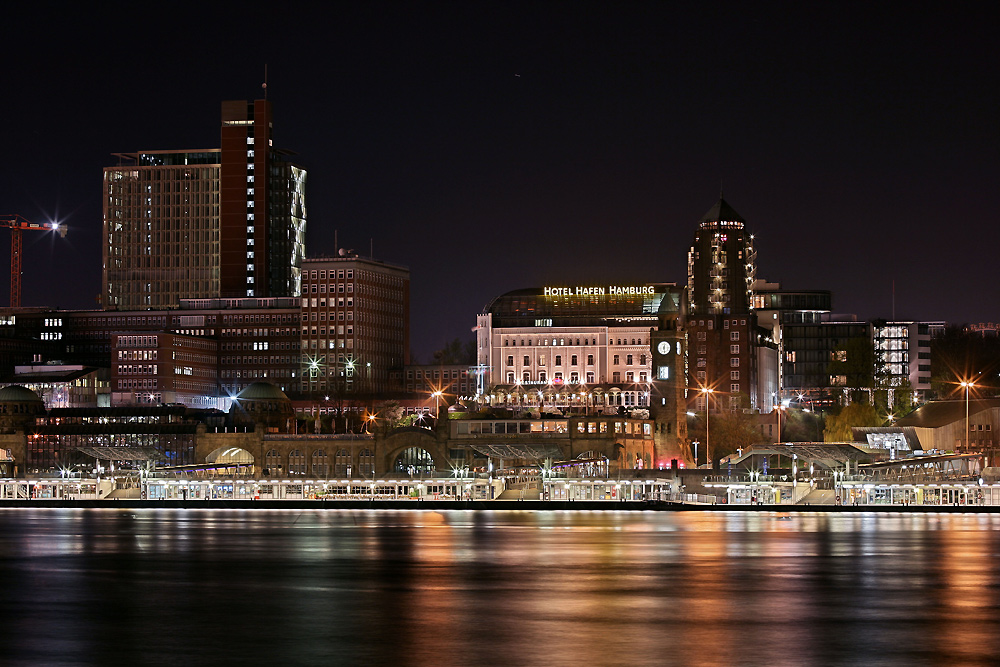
(122, 453)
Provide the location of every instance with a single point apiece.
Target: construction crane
(17, 224)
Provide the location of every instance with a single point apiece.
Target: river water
(262, 587)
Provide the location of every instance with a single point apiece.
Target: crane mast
(17, 225)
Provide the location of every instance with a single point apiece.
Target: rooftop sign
(627, 290)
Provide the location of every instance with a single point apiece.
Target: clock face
(663, 347)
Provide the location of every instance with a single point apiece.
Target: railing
(691, 498)
(318, 436)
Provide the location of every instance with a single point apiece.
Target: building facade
(730, 353)
(903, 353)
(227, 222)
(355, 324)
(574, 337)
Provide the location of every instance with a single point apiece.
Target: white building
(577, 339)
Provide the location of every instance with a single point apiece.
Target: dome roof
(15, 393)
(262, 391)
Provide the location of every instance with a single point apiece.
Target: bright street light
(708, 392)
(968, 385)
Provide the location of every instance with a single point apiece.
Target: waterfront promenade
(476, 505)
(592, 494)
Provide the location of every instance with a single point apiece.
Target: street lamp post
(708, 408)
(437, 409)
(968, 385)
(694, 443)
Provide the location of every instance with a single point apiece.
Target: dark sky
(493, 146)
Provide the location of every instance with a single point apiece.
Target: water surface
(263, 587)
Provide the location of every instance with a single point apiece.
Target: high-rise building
(729, 353)
(217, 223)
(722, 264)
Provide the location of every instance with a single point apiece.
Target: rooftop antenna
(265, 81)
(336, 245)
(893, 299)
(371, 248)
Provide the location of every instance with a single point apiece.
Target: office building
(355, 324)
(226, 222)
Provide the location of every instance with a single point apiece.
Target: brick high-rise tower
(189, 224)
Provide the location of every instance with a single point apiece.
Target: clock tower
(667, 399)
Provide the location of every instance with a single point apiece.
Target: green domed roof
(15, 393)
(262, 391)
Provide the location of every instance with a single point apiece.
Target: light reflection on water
(470, 588)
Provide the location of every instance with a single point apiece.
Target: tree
(838, 426)
(389, 415)
(854, 364)
(457, 352)
(728, 431)
(958, 355)
(801, 426)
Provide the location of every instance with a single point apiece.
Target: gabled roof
(722, 211)
(941, 413)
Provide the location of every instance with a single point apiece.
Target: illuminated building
(589, 349)
(457, 381)
(729, 352)
(64, 385)
(939, 426)
(158, 367)
(355, 324)
(777, 308)
(903, 353)
(574, 336)
(722, 264)
(226, 222)
(206, 351)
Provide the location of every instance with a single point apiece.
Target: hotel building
(584, 337)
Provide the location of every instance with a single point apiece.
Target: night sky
(496, 146)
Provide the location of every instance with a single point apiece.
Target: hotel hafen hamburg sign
(623, 290)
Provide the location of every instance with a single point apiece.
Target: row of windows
(136, 355)
(508, 342)
(725, 323)
(574, 377)
(322, 275)
(438, 374)
(574, 360)
(340, 317)
(333, 288)
(312, 303)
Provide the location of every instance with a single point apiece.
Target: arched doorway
(231, 460)
(592, 464)
(414, 460)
